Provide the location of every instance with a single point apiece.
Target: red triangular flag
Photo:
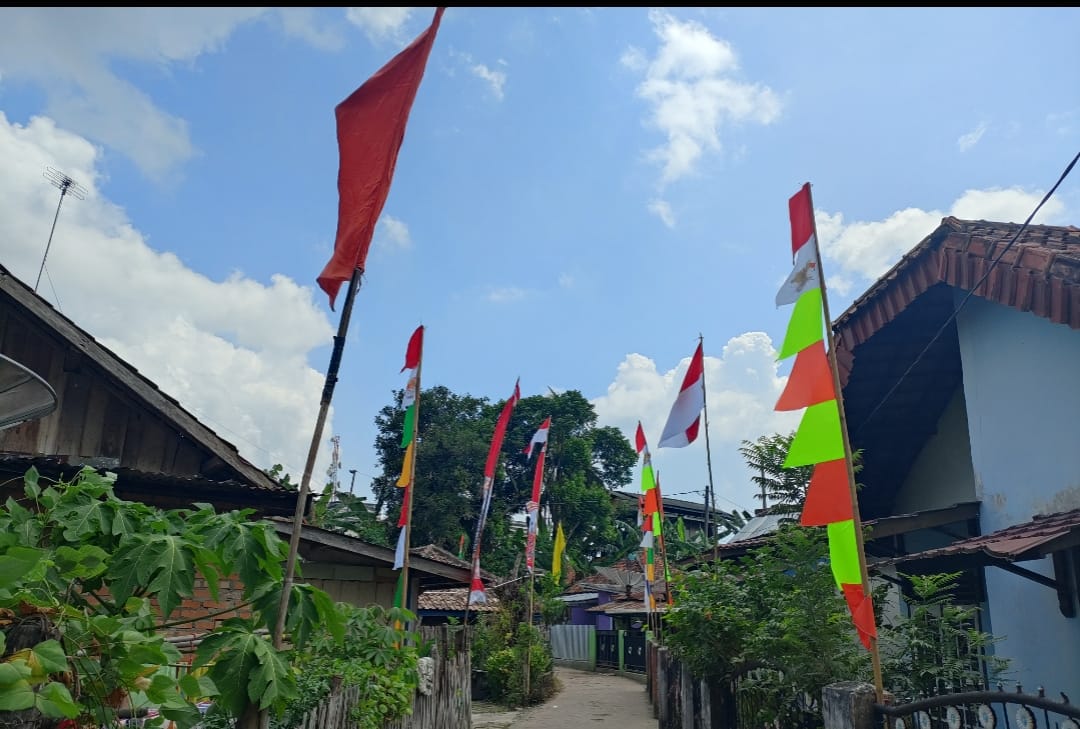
(416, 343)
(828, 497)
(370, 129)
(862, 612)
(639, 438)
(810, 382)
(801, 214)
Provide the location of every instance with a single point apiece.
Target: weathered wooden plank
(94, 420)
(113, 427)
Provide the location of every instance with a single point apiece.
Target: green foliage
(92, 579)
(777, 609)
(785, 486)
(501, 641)
(375, 655)
(937, 647)
(583, 464)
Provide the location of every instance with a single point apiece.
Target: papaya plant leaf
(54, 701)
(17, 696)
(17, 562)
(50, 656)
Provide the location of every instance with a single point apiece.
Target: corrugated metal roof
(1030, 540)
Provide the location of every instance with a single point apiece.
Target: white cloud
(380, 23)
(693, 91)
(302, 23)
(496, 79)
(866, 250)
(969, 140)
(662, 209)
(566, 280)
(506, 294)
(392, 234)
(69, 51)
(742, 385)
(233, 352)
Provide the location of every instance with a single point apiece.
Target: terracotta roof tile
(1039, 273)
(438, 554)
(454, 599)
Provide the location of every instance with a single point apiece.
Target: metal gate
(607, 648)
(634, 652)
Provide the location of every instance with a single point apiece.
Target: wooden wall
(94, 418)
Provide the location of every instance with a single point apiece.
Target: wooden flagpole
(305, 481)
(875, 654)
(411, 487)
(708, 452)
(313, 452)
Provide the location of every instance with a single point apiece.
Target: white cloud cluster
(742, 386)
(865, 250)
(392, 234)
(84, 94)
(692, 90)
(969, 140)
(380, 23)
(233, 352)
(495, 78)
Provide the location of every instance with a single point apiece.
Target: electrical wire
(967, 296)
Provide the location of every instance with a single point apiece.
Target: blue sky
(580, 194)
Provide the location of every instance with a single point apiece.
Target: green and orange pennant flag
(810, 381)
(828, 497)
(819, 440)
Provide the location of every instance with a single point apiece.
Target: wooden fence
(447, 706)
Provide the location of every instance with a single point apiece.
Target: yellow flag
(406, 467)
(556, 560)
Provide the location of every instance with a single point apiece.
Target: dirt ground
(585, 699)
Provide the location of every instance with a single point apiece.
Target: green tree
(584, 462)
(785, 486)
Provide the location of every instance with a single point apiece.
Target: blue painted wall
(1022, 390)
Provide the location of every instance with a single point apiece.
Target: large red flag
(370, 130)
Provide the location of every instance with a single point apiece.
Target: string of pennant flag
(371, 126)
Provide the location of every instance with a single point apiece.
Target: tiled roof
(897, 345)
(1030, 540)
(1040, 273)
(454, 600)
(438, 554)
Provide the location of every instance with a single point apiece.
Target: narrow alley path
(591, 699)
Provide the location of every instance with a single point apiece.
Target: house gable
(111, 417)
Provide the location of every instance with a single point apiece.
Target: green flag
(818, 438)
(844, 553)
(805, 326)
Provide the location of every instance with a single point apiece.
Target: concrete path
(588, 699)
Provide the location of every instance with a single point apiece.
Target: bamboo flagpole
(313, 452)
(414, 362)
(533, 510)
(822, 437)
(710, 498)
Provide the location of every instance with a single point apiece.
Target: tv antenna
(67, 186)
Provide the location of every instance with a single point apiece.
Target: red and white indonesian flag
(805, 275)
(685, 417)
(539, 438)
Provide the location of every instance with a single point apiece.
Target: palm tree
(785, 486)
